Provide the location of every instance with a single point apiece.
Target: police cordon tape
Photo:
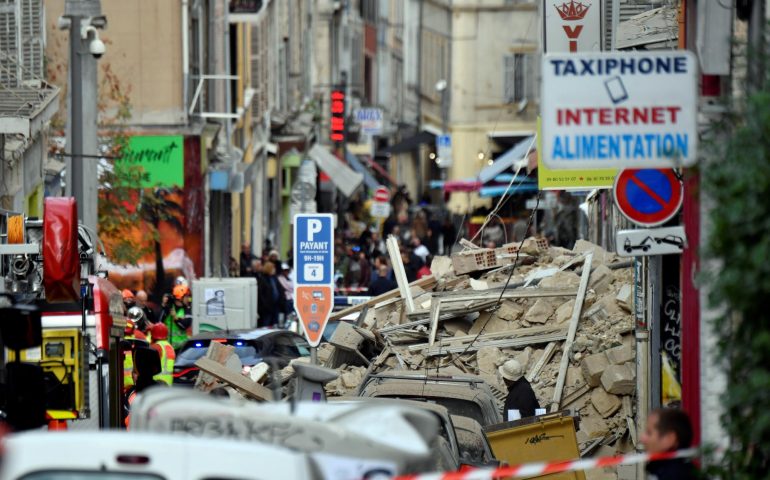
(532, 469)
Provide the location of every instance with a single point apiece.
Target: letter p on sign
(313, 226)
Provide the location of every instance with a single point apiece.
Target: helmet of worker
(180, 291)
(135, 314)
(127, 294)
(180, 280)
(511, 370)
(158, 332)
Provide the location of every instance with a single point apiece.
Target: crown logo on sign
(572, 10)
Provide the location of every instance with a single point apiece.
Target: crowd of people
(151, 337)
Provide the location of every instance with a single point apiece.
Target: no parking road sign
(648, 197)
(314, 272)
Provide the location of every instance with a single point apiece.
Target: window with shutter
(9, 41)
(31, 41)
(520, 77)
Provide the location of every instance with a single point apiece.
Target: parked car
(474, 447)
(252, 346)
(352, 441)
(465, 395)
(445, 450)
(113, 455)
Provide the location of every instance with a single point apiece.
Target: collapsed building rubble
(570, 327)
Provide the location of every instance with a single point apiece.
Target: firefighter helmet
(159, 331)
(180, 291)
(135, 314)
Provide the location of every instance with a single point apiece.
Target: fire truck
(61, 323)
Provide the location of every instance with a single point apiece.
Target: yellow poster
(548, 179)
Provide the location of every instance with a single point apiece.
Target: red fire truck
(62, 323)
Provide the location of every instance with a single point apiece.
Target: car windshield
(196, 349)
(455, 406)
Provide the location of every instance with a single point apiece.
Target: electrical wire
(510, 275)
(508, 191)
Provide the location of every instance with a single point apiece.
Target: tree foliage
(739, 184)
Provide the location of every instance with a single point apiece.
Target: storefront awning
(346, 180)
(408, 144)
(500, 190)
(507, 160)
(355, 163)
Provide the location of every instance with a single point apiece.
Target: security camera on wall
(95, 46)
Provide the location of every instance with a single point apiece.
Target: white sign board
(572, 26)
(370, 120)
(380, 209)
(619, 110)
(444, 150)
(651, 241)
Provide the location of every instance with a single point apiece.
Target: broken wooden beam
(542, 361)
(425, 282)
(573, 324)
(398, 271)
(519, 332)
(505, 343)
(465, 296)
(235, 380)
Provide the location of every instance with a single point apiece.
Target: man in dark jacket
(668, 430)
(520, 397)
(382, 284)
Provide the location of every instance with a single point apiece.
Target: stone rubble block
(564, 312)
(509, 311)
(601, 278)
(605, 403)
(593, 367)
(620, 355)
(625, 298)
(540, 312)
(563, 279)
(619, 379)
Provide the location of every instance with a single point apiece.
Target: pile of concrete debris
(462, 320)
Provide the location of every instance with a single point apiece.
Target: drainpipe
(185, 57)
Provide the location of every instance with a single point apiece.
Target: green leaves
(739, 186)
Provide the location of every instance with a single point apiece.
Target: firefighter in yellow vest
(159, 334)
(131, 333)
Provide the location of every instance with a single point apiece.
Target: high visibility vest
(177, 336)
(128, 366)
(128, 369)
(167, 358)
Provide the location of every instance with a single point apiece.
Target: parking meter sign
(314, 272)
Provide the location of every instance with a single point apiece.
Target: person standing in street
(141, 301)
(146, 365)
(520, 397)
(288, 291)
(271, 297)
(246, 260)
(383, 283)
(177, 314)
(668, 430)
(159, 334)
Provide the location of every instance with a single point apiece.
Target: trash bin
(544, 438)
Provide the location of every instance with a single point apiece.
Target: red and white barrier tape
(532, 469)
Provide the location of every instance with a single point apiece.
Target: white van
(356, 438)
(116, 455)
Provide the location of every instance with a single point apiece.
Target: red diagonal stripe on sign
(648, 191)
